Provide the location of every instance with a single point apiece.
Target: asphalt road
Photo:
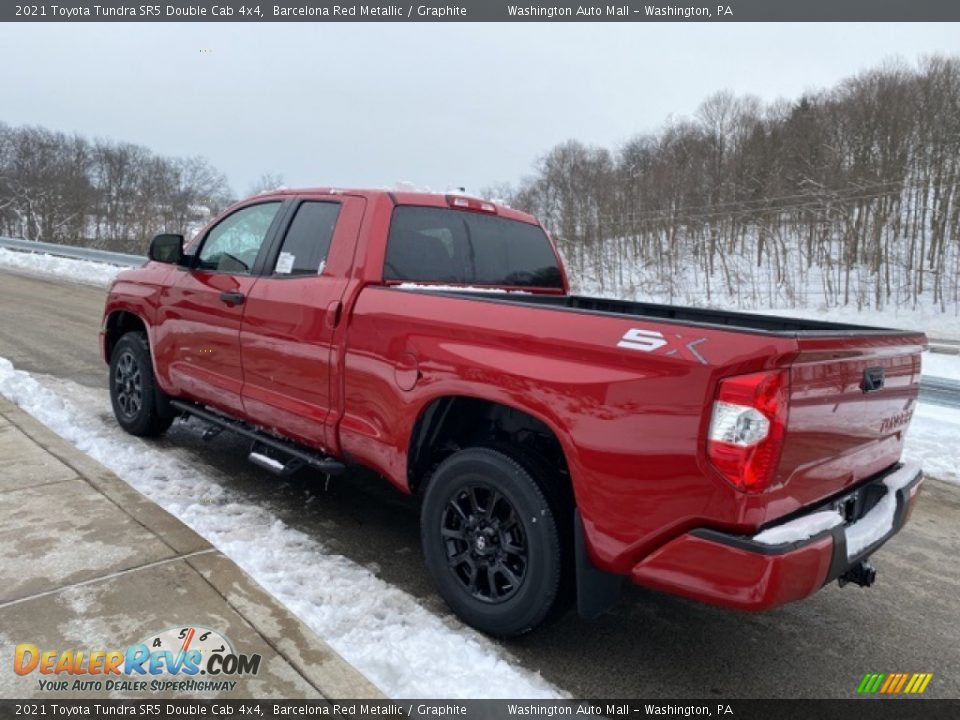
(653, 645)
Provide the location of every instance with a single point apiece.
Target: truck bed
(839, 432)
(748, 322)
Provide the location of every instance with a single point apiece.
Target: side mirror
(167, 248)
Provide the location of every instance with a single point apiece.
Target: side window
(305, 246)
(233, 244)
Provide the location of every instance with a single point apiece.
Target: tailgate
(851, 400)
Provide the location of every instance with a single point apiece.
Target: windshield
(468, 248)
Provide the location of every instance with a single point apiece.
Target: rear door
(198, 336)
(292, 316)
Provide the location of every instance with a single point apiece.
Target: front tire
(133, 388)
(492, 541)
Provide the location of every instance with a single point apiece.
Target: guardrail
(71, 251)
(940, 391)
(947, 347)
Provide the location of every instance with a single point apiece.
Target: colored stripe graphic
(894, 683)
(870, 683)
(891, 681)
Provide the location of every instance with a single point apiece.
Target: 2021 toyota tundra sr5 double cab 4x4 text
(560, 443)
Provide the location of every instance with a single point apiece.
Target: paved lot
(653, 645)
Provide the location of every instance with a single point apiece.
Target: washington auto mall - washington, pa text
(363, 10)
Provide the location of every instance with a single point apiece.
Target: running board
(298, 456)
(260, 456)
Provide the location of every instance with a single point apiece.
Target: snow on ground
(403, 648)
(932, 441)
(82, 271)
(937, 325)
(941, 365)
(637, 285)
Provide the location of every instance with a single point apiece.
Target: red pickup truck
(560, 443)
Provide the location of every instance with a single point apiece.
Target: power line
(829, 192)
(809, 202)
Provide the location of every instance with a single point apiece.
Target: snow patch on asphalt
(82, 271)
(403, 648)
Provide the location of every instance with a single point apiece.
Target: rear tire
(492, 541)
(138, 403)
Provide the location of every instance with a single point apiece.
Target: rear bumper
(787, 561)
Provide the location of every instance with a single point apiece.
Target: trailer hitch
(863, 574)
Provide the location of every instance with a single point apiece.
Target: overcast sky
(435, 104)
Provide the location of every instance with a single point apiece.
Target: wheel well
(119, 324)
(450, 423)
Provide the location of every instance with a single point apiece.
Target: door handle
(872, 379)
(334, 310)
(233, 298)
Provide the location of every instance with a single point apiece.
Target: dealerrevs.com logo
(182, 659)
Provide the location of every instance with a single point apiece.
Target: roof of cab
(399, 197)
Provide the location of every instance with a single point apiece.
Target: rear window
(468, 248)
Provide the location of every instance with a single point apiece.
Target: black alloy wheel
(139, 406)
(485, 543)
(492, 528)
(128, 384)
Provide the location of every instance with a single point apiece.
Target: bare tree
(64, 188)
(848, 196)
(266, 183)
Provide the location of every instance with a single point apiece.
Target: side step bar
(261, 457)
(298, 456)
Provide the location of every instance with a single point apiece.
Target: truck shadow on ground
(654, 645)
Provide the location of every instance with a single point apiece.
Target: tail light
(747, 428)
(469, 203)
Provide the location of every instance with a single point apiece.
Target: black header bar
(877, 709)
(484, 11)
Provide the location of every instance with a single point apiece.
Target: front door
(199, 332)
